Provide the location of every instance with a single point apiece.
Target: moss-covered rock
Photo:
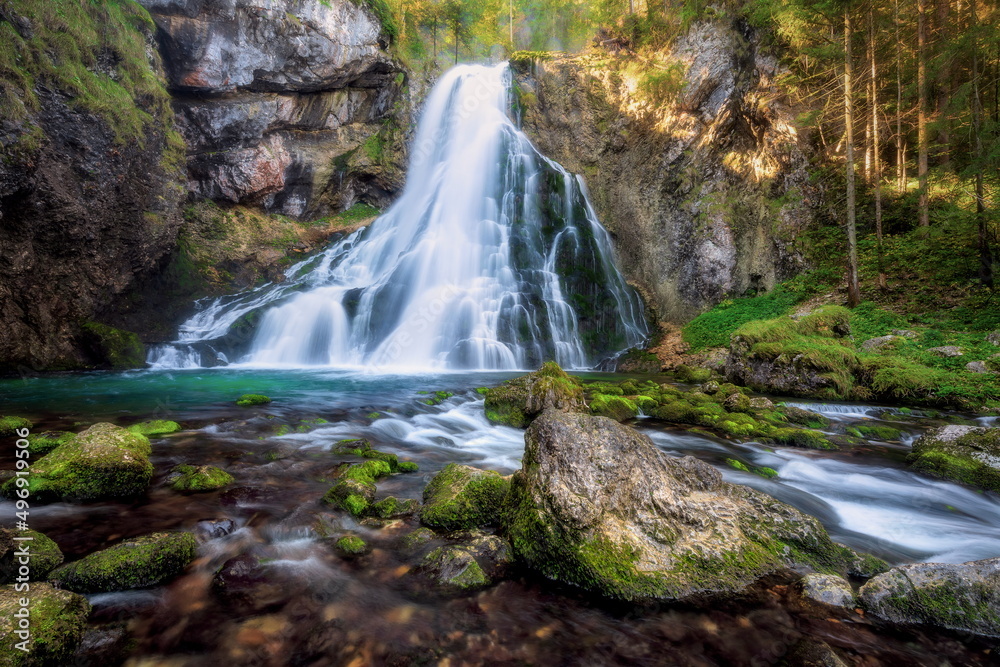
(248, 400)
(133, 563)
(355, 490)
(198, 479)
(155, 427)
(393, 508)
(351, 546)
(886, 433)
(802, 417)
(104, 461)
(800, 437)
(40, 444)
(58, 620)
(961, 453)
(474, 564)
(462, 497)
(618, 408)
(45, 554)
(418, 538)
(516, 402)
(10, 425)
(121, 350)
(363, 448)
(964, 597)
(578, 513)
(692, 374)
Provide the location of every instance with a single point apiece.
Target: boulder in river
(597, 505)
(136, 562)
(964, 454)
(57, 623)
(45, 554)
(105, 461)
(197, 479)
(461, 497)
(516, 402)
(963, 597)
(476, 563)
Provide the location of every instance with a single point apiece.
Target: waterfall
(492, 258)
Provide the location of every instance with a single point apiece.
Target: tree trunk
(876, 161)
(853, 292)
(944, 86)
(924, 211)
(985, 252)
(900, 145)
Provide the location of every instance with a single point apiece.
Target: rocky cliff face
(89, 177)
(284, 104)
(692, 162)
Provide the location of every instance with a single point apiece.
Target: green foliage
(714, 327)
(119, 349)
(67, 49)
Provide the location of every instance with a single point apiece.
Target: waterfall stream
(492, 258)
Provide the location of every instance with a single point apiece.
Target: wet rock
(963, 597)
(581, 512)
(247, 496)
(866, 566)
(198, 479)
(105, 461)
(618, 408)
(826, 588)
(977, 367)
(364, 449)
(759, 403)
(57, 623)
(157, 427)
(881, 343)
(44, 554)
(516, 402)
(804, 417)
(243, 581)
(461, 497)
(965, 454)
(946, 351)
(809, 652)
(418, 538)
(250, 400)
(393, 508)
(737, 402)
(351, 546)
(472, 565)
(214, 528)
(356, 489)
(133, 563)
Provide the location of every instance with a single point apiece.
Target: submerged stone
(198, 479)
(964, 454)
(137, 562)
(964, 597)
(156, 427)
(248, 400)
(58, 620)
(598, 506)
(351, 545)
(105, 461)
(462, 497)
(474, 564)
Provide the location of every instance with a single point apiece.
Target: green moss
(797, 437)
(616, 407)
(875, 432)
(104, 461)
(58, 621)
(408, 466)
(40, 444)
(954, 460)
(351, 545)
(391, 507)
(157, 427)
(134, 563)
(765, 472)
(418, 538)
(192, 479)
(121, 350)
(738, 465)
(247, 400)
(693, 375)
(460, 497)
(355, 504)
(10, 425)
(438, 397)
(508, 403)
(367, 472)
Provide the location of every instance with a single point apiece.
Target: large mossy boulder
(461, 497)
(137, 562)
(45, 554)
(963, 597)
(57, 619)
(516, 402)
(961, 453)
(598, 506)
(105, 461)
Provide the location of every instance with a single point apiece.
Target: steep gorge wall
(703, 182)
(284, 104)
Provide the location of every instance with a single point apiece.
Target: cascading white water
(492, 258)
